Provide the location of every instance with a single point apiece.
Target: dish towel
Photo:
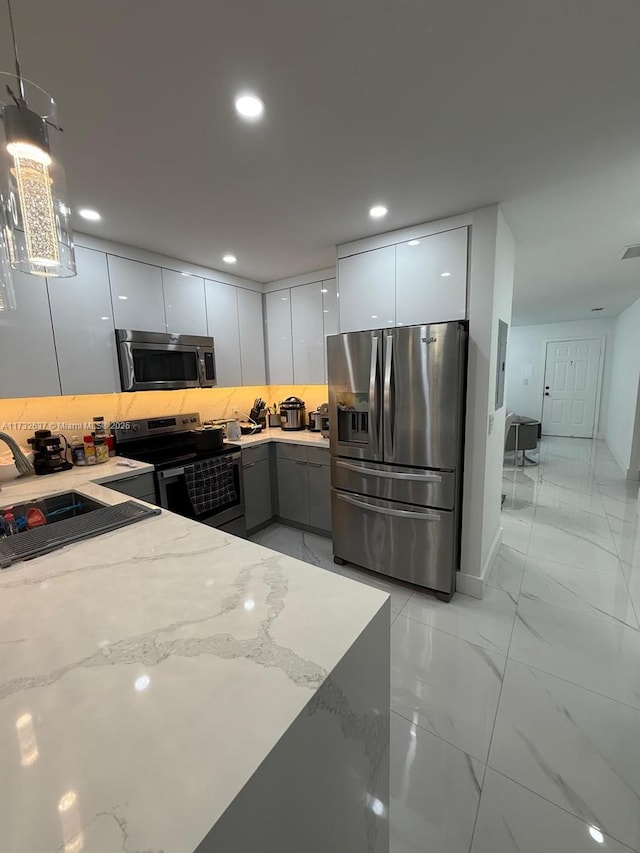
(210, 484)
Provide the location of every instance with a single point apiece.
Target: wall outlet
(491, 420)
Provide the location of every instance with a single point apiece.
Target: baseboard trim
(623, 468)
(474, 585)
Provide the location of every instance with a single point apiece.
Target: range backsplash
(73, 415)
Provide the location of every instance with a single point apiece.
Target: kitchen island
(170, 687)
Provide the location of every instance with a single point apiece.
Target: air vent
(631, 252)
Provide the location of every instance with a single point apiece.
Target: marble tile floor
(516, 719)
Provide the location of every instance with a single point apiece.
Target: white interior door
(571, 387)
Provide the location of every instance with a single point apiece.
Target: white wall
(491, 270)
(527, 346)
(623, 432)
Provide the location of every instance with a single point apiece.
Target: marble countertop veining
(146, 674)
(314, 439)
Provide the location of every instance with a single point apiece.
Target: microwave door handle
(374, 414)
(127, 370)
(382, 510)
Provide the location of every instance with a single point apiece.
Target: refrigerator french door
(396, 399)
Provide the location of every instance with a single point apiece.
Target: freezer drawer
(404, 541)
(411, 485)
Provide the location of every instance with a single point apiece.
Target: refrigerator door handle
(390, 475)
(398, 513)
(374, 414)
(389, 402)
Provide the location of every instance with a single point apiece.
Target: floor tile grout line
(633, 606)
(556, 805)
(574, 684)
(608, 619)
(455, 636)
(442, 739)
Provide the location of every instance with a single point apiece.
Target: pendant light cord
(15, 51)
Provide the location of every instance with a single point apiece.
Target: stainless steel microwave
(156, 361)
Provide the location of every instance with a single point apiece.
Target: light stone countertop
(146, 674)
(289, 436)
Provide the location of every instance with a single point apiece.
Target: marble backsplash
(74, 415)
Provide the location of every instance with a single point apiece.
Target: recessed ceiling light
(229, 259)
(413, 243)
(88, 213)
(378, 211)
(249, 106)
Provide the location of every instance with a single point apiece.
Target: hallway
(516, 719)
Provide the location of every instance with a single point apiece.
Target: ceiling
(433, 108)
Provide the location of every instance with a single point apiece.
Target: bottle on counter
(100, 449)
(89, 450)
(10, 526)
(78, 456)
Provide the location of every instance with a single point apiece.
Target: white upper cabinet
(279, 347)
(223, 327)
(330, 318)
(307, 330)
(27, 351)
(136, 293)
(367, 287)
(184, 303)
(83, 327)
(251, 323)
(431, 278)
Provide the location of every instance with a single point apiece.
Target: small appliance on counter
(48, 453)
(324, 414)
(315, 421)
(293, 414)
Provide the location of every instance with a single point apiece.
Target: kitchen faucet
(22, 463)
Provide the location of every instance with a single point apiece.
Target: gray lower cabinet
(319, 495)
(139, 486)
(304, 485)
(256, 480)
(293, 490)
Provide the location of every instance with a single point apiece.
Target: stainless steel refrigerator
(396, 409)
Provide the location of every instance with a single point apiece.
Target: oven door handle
(172, 472)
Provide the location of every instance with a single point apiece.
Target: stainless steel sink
(69, 517)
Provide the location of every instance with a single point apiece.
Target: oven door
(173, 495)
(153, 361)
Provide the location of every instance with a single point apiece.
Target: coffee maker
(48, 454)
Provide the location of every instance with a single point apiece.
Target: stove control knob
(185, 420)
(135, 427)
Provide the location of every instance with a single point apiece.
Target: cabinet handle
(250, 465)
(315, 464)
(298, 462)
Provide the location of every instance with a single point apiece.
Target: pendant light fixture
(37, 225)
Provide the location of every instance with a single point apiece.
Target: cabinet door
(83, 327)
(307, 332)
(293, 490)
(319, 495)
(329, 315)
(222, 325)
(251, 324)
(257, 493)
(27, 351)
(136, 295)
(278, 326)
(184, 304)
(367, 287)
(431, 278)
